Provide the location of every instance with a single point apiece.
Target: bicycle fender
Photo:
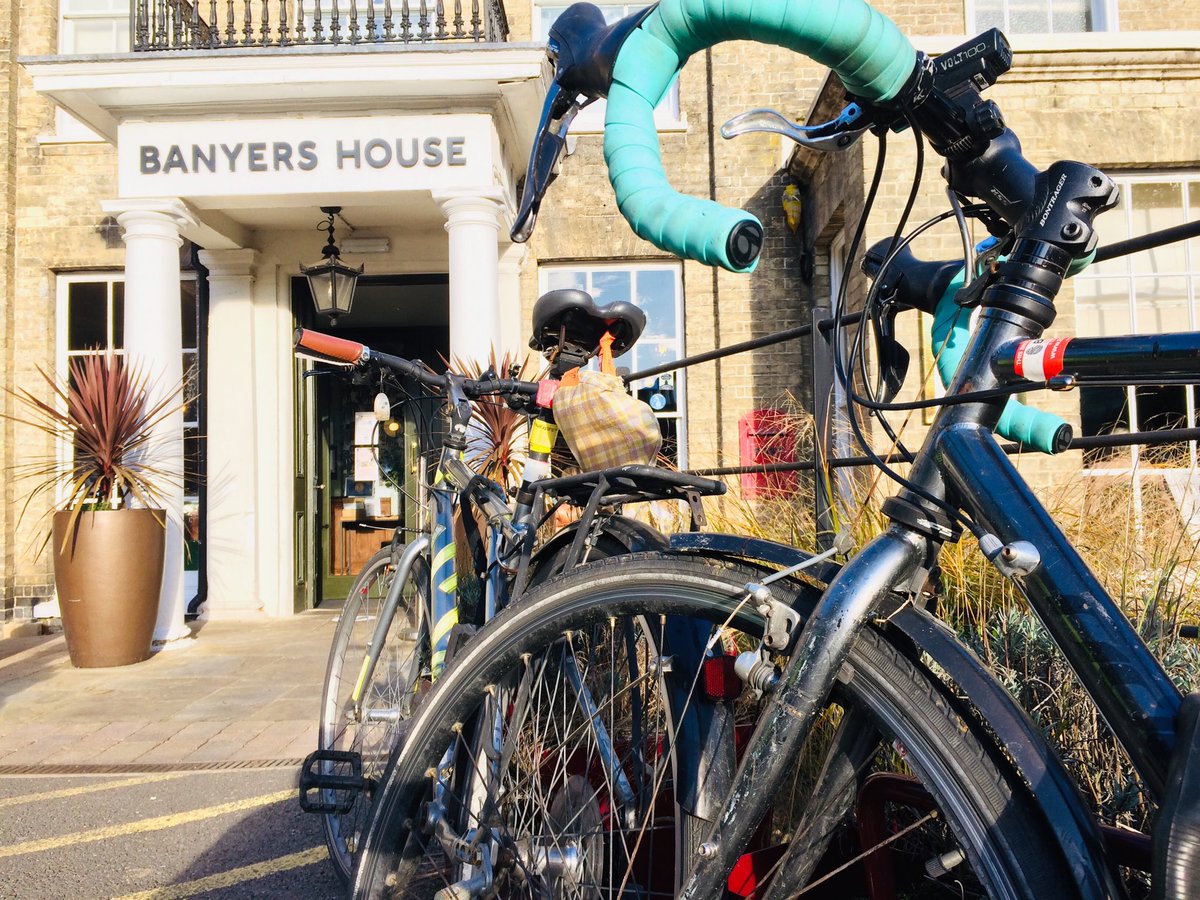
(738, 546)
(634, 536)
(1049, 784)
(1050, 787)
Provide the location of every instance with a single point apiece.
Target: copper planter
(109, 577)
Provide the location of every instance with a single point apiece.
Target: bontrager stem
(887, 564)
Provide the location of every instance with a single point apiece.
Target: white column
(473, 223)
(231, 441)
(153, 339)
(514, 338)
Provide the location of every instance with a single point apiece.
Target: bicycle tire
(392, 687)
(989, 813)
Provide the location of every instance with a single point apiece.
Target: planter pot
(109, 578)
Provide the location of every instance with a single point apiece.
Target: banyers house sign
(273, 156)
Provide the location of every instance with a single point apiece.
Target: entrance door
(368, 468)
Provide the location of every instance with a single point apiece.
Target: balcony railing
(211, 25)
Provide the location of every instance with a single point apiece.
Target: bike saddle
(569, 319)
(585, 47)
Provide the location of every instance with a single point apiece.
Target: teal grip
(863, 46)
(1033, 428)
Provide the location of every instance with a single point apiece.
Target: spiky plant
(104, 411)
(497, 442)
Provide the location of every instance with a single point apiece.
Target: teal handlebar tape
(1033, 428)
(863, 46)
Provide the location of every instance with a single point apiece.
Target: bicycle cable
(853, 399)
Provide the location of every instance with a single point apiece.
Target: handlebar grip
(863, 46)
(1033, 428)
(332, 348)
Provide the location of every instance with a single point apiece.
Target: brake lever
(558, 111)
(837, 134)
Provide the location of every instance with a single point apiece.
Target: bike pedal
(330, 781)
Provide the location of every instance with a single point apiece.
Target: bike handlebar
(328, 348)
(870, 54)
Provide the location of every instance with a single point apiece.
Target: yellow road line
(89, 788)
(232, 877)
(155, 824)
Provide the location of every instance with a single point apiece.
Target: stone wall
(55, 190)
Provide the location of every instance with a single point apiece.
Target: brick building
(115, 123)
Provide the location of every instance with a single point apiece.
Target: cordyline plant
(496, 446)
(104, 411)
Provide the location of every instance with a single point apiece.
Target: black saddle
(568, 320)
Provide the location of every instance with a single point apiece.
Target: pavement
(234, 694)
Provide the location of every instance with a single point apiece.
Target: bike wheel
(370, 726)
(983, 819)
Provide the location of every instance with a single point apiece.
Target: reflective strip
(449, 585)
(445, 555)
(362, 678)
(445, 623)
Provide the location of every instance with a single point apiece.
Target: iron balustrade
(213, 25)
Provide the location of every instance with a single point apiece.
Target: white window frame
(588, 267)
(1190, 192)
(1182, 481)
(63, 355)
(1104, 18)
(668, 115)
(67, 128)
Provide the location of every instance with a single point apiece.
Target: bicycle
(986, 807)
(404, 615)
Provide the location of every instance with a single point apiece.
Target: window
(1040, 16)
(1153, 291)
(657, 288)
(90, 26)
(92, 321)
(591, 118)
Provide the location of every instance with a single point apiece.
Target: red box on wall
(767, 436)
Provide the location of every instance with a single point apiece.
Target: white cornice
(106, 90)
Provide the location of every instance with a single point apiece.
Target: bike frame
(961, 461)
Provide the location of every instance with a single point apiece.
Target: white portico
(235, 150)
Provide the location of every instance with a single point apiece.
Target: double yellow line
(184, 889)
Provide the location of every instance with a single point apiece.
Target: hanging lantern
(331, 283)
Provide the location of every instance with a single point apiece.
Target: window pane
(670, 445)
(557, 279)
(1071, 15)
(1104, 410)
(1028, 17)
(95, 6)
(656, 296)
(1157, 205)
(1112, 227)
(118, 314)
(1159, 407)
(1102, 307)
(187, 313)
(191, 387)
(989, 14)
(87, 315)
(191, 458)
(1162, 305)
(608, 286)
(97, 36)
